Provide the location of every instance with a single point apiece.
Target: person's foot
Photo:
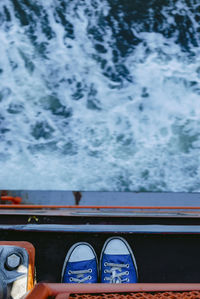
(80, 265)
(117, 262)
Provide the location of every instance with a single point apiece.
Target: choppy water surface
(100, 95)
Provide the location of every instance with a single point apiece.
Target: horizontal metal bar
(99, 207)
(88, 198)
(86, 228)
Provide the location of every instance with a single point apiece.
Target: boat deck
(165, 241)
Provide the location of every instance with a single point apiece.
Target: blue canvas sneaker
(80, 265)
(117, 262)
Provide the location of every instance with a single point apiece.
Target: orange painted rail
(46, 290)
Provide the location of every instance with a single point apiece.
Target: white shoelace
(80, 275)
(116, 273)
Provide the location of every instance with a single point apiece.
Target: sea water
(100, 95)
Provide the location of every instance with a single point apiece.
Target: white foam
(144, 134)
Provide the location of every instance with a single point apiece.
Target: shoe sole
(129, 248)
(70, 252)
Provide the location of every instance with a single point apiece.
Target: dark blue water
(100, 95)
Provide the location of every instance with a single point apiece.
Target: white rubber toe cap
(80, 253)
(116, 246)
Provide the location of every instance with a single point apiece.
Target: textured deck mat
(142, 295)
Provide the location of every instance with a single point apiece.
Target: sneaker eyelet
(90, 270)
(90, 277)
(69, 272)
(127, 265)
(70, 279)
(127, 279)
(127, 272)
(105, 271)
(105, 264)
